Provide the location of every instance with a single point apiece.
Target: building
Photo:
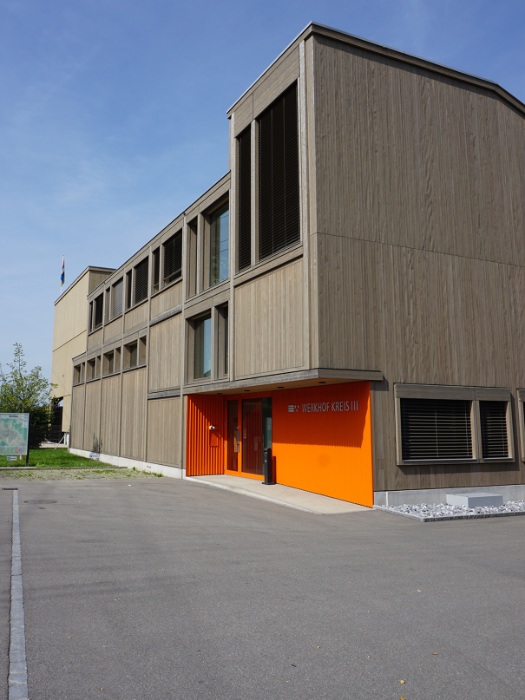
(350, 294)
(69, 339)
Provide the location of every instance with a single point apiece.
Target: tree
(26, 391)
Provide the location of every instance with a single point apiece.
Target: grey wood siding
(269, 323)
(418, 240)
(78, 398)
(92, 417)
(164, 431)
(110, 415)
(133, 414)
(165, 354)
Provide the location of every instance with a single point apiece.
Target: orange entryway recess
(320, 436)
(322, 440)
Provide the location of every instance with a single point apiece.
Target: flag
(63, 273)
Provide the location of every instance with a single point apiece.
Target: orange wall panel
(205, 447)
(322, 440)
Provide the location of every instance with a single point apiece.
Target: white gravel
(426, 512)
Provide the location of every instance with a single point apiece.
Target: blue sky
(112, 116)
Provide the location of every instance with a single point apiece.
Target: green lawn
(50, 458)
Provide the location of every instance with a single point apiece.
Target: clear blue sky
(112, 116)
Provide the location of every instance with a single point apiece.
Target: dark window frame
(487, 446)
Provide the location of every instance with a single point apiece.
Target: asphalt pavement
(168, 589)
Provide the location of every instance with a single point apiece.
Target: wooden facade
(407, 271)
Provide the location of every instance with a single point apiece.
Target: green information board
(14, 433)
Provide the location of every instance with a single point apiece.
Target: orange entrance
(320, 438)
(248, 434)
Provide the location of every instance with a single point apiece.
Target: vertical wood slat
(164, 445)
(133, 414)
(205, 447)
(164, 357)
(269, 322)
(110, 415)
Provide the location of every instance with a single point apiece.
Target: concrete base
(474, 500)
(173, 472)
(515, 492)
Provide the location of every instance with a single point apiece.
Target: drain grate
(39, 501)
(10, 488)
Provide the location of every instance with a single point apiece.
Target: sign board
(14, 433)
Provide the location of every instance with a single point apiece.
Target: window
(78, 373)
(444, 424)
(92, 369)
(435, 429)
(140, 286)
(142, 351)
(96, 308)
(279, 174)
(116, 298)
(192, 257)
(222, 346)
(129, 289)
(108, 363)
(155, 284)
(172, 258)
(244, 199)
(107, 304)
(131, 355)
(219, 229)
(202, 348)
(494, 434)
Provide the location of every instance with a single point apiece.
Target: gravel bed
(433, 512)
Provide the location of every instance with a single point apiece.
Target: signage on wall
(324, 407)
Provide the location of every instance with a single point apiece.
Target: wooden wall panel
(164, 431)
(269, 323)
(77, 416)
(114, 329)
(92, 417)
(407, 158)
(166, 300)
(136, 318)
(95, 339)
(133, 414)
(418, 316)
(417, 240)
(110, 415)
(275, 81)
(165, 360)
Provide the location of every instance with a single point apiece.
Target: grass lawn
(50, 464)
(50, 458)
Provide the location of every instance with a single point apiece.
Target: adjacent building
(69, 339)
(350, 295)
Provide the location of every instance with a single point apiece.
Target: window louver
(244, 199)
(141, 281)
(173, 258)
(279, 175)
(116, 299)
(494, 437)
(435, 429)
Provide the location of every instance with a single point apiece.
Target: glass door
(249, 433)
(252, 436)
(234, 437)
